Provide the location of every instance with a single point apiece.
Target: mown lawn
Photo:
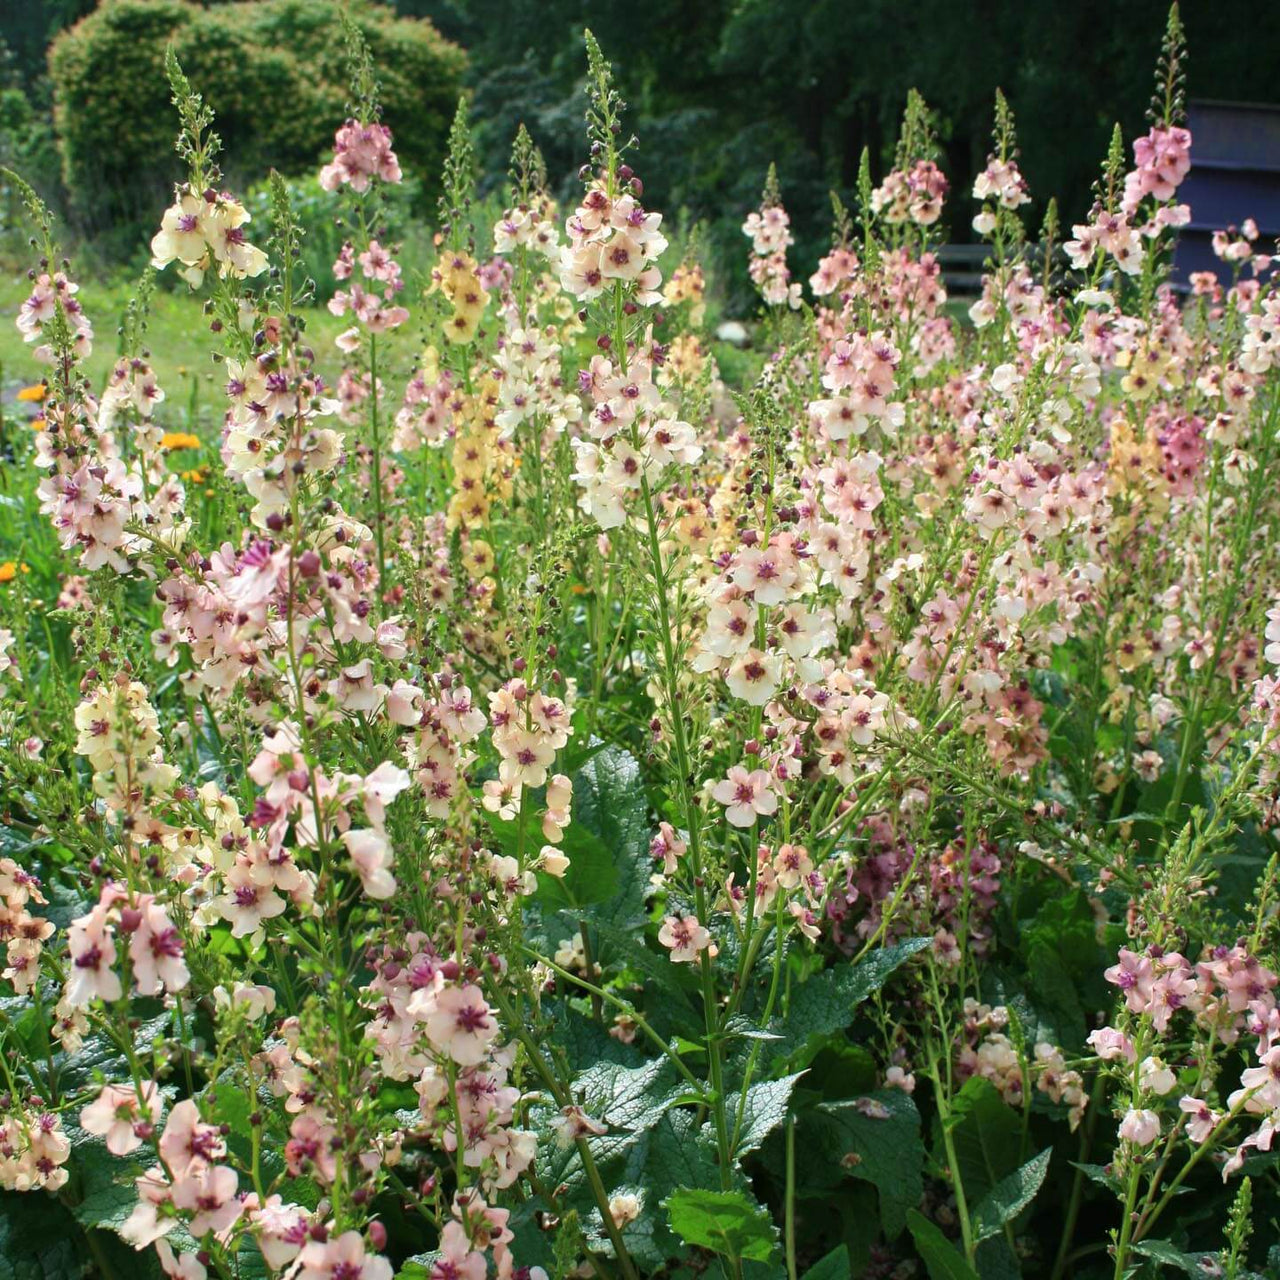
(178, 340)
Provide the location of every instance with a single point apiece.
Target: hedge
(274, 71)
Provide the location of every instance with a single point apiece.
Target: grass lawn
(179, 341)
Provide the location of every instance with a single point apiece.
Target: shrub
(273, 70)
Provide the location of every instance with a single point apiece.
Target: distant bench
(962, 266)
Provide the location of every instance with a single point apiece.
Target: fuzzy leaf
(828, 1001)
(726, 1222)
(1010, 1196)
(1166, 1254)
(766, 1108)
(987, 1136)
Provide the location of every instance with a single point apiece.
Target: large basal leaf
(1010, 1196)
(828, 1001)
(676, 1153)
(726, 1222)
(38, 1238)
(100, 1055)
(942, 1259)
(584, 1040)
(877, 1139)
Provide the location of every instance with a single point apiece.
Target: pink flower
(1109, 1044)
(146, 1224)
(1140, 1127)
(156, 951)
(210, 1194)
(360, 152)
(1203, 1119)
(380, 788)
(118, 1113)
(181, 1266)
(280, 1229)
(754, 677)
(461, 1025)
(310, 1149)
(187, 1142)
(685, 936)
(344, 1258)
(667, 847)
(371, 853)
(745, 795)
(457, 1261)
(93, 952)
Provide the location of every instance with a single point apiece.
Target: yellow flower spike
(173, 440)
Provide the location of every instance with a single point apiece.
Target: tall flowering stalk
(363, 161)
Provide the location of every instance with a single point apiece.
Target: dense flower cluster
(489, 835)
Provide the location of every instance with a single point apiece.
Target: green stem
(789, 1211)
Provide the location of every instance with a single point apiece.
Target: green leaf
(765, 1109)
(38, 1238)
(630, 1100)
(625, 947)
(1164, 1253)
(418, 1267)
(1010, 1196)
(726, 1222)
(675, 1154)
(835, 1266)
(829, 1000)
(584, 1041)
(877, 1139)
(99, 1054)
(609, 801)
(987, 1135)
(107, 1207)
(1097, 1173)
(941, 1258)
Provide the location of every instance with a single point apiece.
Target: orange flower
(36, 391)
(8, 571)
(172, 440)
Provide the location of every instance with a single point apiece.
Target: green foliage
(834, 1266)
(273, 72)
(941, 1258)
(1010, 1196)
(608, 843)
(986, 1134)
(765, 1109)
(726, 1222)
(828, 1001)
(881, 1145)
